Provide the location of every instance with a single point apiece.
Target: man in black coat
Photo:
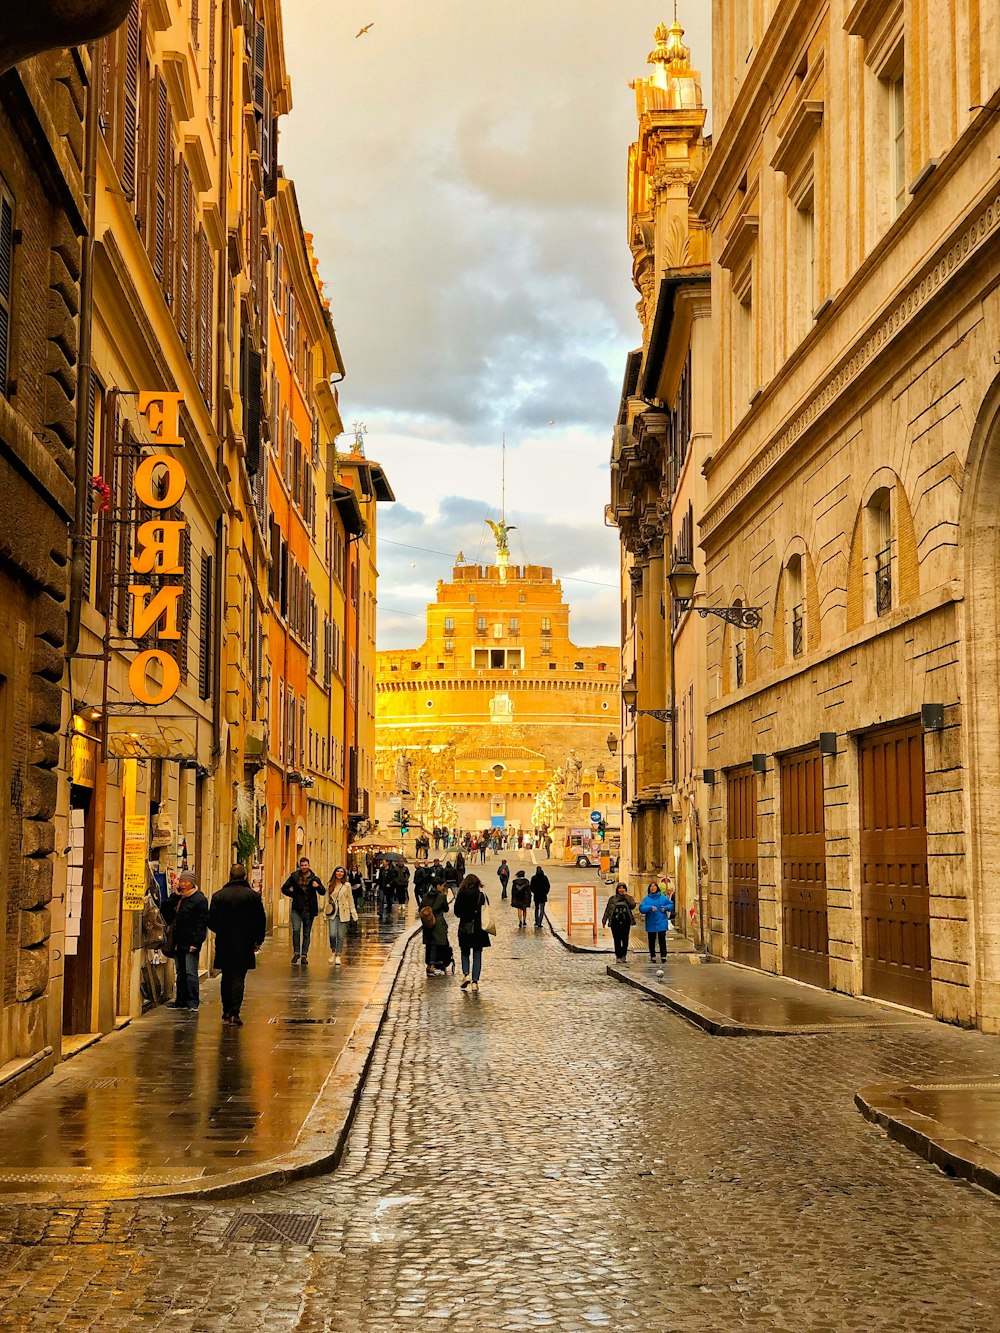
(186, 912)
(304, 888)
(540, 893)
(238, 920)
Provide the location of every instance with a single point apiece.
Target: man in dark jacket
(304, 888)
(540, 893)
(238, 920)
(186, 910)
(436, 873)
(503, 875)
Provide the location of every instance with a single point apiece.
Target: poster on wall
(134, 863)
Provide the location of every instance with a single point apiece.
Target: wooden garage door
(805, 941)
(744, 905)
(895, 906)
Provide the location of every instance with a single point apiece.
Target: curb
(950, 1152)
(568, 943)
(322, 1138)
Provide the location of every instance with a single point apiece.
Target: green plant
(246, 844)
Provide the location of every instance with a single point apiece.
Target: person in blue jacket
(656, 908)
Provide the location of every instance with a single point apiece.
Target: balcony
(798, 631)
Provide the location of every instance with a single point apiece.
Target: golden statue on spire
(670, 49)
(500, 531)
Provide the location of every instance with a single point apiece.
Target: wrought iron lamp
(683, 580)
(630, 697)
(612, 743)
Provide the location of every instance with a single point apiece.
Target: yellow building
(498, 700)
(853, 195)
(662, 442)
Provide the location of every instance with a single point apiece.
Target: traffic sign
(595, 816)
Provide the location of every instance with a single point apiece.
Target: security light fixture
(759, 762)
(708, 777)
(932, 717)
(828, 743)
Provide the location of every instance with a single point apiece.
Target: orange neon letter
(159, 544)
(176, 481)
(146, 614)
(163, 416)
(140, 686)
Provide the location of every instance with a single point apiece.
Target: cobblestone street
(557, 1152)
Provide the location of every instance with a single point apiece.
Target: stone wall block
(62, 328)
(60, 435)
(46, 705)
(41, 789)
(44, 749)
(50, 619)
(38, 837)
(60, 370)
(47, 662)
(66, 244)
(32, 972)
(63, 282)
(36, 927)
(36, 882)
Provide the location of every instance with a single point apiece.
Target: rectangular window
(546, 625)
(497, 659)
(897, 112)
(206, 627)
(481, 627)
(515, 659)
(480, 658)
(449, 647)
(449, 625)
(514, 628)
(6, 284)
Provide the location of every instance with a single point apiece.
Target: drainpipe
(79, 535)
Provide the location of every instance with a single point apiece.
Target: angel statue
(500, 531)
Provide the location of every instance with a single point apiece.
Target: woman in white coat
(340, 909)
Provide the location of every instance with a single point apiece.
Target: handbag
(489, 924)
(426, 915)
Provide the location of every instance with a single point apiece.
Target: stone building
(853, 196)
(490, 707)
(662, 440)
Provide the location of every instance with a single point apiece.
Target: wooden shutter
(259, 57)
(251, 410)
(187, 600)
(126, 497)
(206, 298)
(104, 592)
(206, 640)
(6, 284)
(88, 525)
(130, 102)
(185, 319)
(160, 183)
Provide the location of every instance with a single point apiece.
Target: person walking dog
(304, 888)
(340, 911)
(656, 907)
(237, 919)
(619, 915)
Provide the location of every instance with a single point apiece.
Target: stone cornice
(951, 259)
(493, 683)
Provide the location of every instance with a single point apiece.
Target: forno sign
(160, 484)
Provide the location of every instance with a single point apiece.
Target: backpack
(621, 914)
(427, 917)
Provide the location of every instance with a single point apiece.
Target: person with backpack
(433, 910)
(520, 897)
(540, 893)
(656, 907)
(503, 875)
(619, 915)
(473, 937)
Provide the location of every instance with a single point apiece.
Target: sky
(462, 166)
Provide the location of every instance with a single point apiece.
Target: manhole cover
(287, 1228)
(302, 1022)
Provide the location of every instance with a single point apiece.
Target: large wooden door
(806, 943)
(895, 905)
(744, 902)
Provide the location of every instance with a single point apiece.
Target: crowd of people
(484, 841)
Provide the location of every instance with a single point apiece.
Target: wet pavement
(731, 1001)
(176, 1096)
(560, 1153)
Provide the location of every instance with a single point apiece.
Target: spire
(670, 52)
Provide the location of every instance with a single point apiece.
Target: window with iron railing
(449, 647)
(798, 631)
(883, 581)
(740, 665)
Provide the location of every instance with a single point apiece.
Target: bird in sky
(367, 28)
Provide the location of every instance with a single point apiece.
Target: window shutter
(185, 322)
(159, 238)
(207, 283)
(88, 525)
(206, 642)
(126, 496)
(259, 57)
(126, 161)
(187, 600)
(6, 285)
(251, 409)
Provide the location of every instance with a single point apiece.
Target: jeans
(301, 933)
(187, 979)
(653, 936)
(620, 936)
(539, 911)
(477, 962)
(232, 986)
(338, 934)
(430, 950)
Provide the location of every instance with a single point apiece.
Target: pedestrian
(238, 921)
(619, 914)
(473, 937)
(357, 887)
(436, 873)
(433, 910)
(304, 889)
(450, 876)
(520, 897)
(656, 907)
(340, 911)
(503, 875)
(460, 866)
(421, 879)
(186, 913)
(402, 885)
(386, 891)
(540, 893)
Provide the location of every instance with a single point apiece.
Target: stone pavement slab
(731, 1001)
(955, 1125)
(178, 1103)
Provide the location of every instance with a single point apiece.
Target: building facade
(853, 196)
(662, 440)
(498, 700)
